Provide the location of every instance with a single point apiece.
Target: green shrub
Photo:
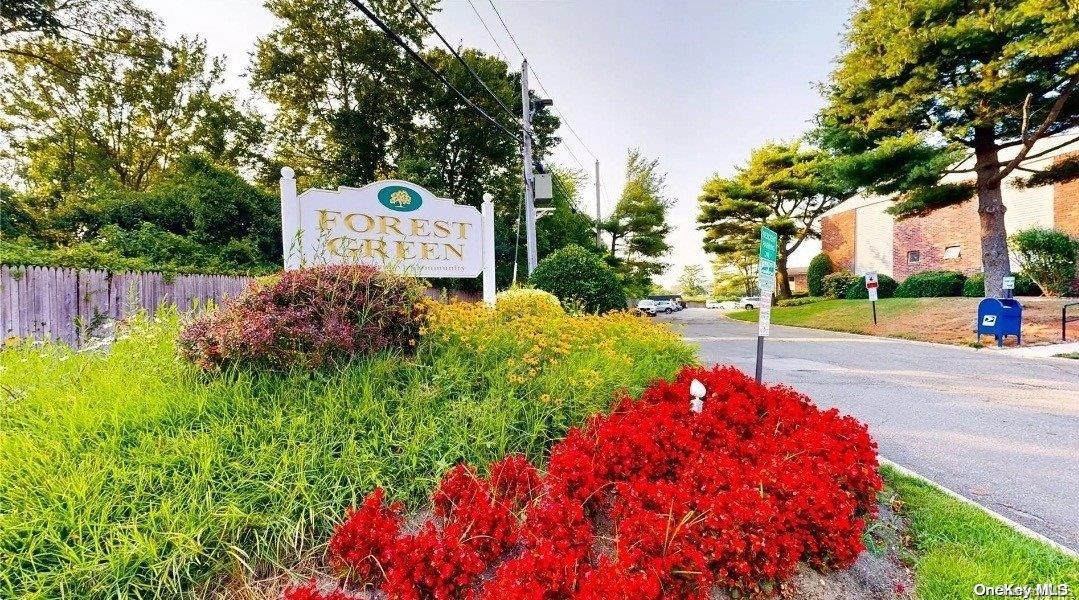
(932, 284)
(309, 318)
(83, 255)
(130, 474)
(515, 303)
(820, 267)
(885, 288)
(1049, 256)
(974, 286)
(573, 272)
(836, 284)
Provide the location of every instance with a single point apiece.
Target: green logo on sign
(399, 198)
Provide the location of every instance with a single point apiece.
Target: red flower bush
(651, 501)
(308, 317)
(361, 545)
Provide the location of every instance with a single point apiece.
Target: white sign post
(871, 286)
(1007, 285)
(393, 225)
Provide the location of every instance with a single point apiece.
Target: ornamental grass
(132, 473)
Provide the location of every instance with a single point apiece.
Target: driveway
(1001, 430)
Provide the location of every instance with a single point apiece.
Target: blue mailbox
(1000, 317)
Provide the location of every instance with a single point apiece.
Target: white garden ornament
(697, 390)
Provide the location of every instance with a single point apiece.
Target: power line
(571, 154)
(508, 32)
(539, 82)
(565, 121)
(461, 60)
(416, 57)
(484, 23)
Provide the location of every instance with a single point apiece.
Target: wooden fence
(71, 304)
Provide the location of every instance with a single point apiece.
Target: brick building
(860, 236)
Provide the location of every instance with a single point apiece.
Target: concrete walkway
(1039, 351)
(1000, 430)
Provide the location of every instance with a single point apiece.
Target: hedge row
(927, 284)
(932, 284)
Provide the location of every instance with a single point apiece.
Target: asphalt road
(1002, 431)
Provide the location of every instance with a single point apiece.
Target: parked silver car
(647, 306)
(750, 302)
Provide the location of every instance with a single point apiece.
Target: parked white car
(750, 302)
(713, 304)
(667, 306)
(647, 306)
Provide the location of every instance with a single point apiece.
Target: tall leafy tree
(691, 282)
(453, 150)
(638, 225)
(116, 108)
(341, 88)
(786, 187)
(67, 19)
(735, 273)
(924, 83)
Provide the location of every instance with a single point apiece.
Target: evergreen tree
(924, 84)
(785, 187)
(638, 225)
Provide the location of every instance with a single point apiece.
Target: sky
(696, 84)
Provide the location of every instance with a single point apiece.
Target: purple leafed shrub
(309, 318)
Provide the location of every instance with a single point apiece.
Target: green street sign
(769, 242)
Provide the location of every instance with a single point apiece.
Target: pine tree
(925, 84)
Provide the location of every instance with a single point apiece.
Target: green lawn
(957, 546)
(853, 316)
(128, 474)
(952, 318)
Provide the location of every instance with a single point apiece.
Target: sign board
(1008, 283)
(764, 320)
(766, 279)
(871, 280)
(873, 294)
(769, 244)
(766, 267)
(392, 224)
(766, 276)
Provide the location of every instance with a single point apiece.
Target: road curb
(1005, 520)
(986, 351)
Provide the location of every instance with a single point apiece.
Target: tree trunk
(995, 262)
(783, 289)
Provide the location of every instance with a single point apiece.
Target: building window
(951, 253)
(914, 256)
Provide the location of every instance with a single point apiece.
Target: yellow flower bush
(515, 303)
(560, 357)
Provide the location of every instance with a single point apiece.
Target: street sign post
(766, 280)
(871, 285)
(1008, 284)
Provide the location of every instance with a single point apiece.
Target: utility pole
(599, 242)
(529, 180)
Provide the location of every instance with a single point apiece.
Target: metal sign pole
(871, 285)
(760, 357)
(766, 281)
